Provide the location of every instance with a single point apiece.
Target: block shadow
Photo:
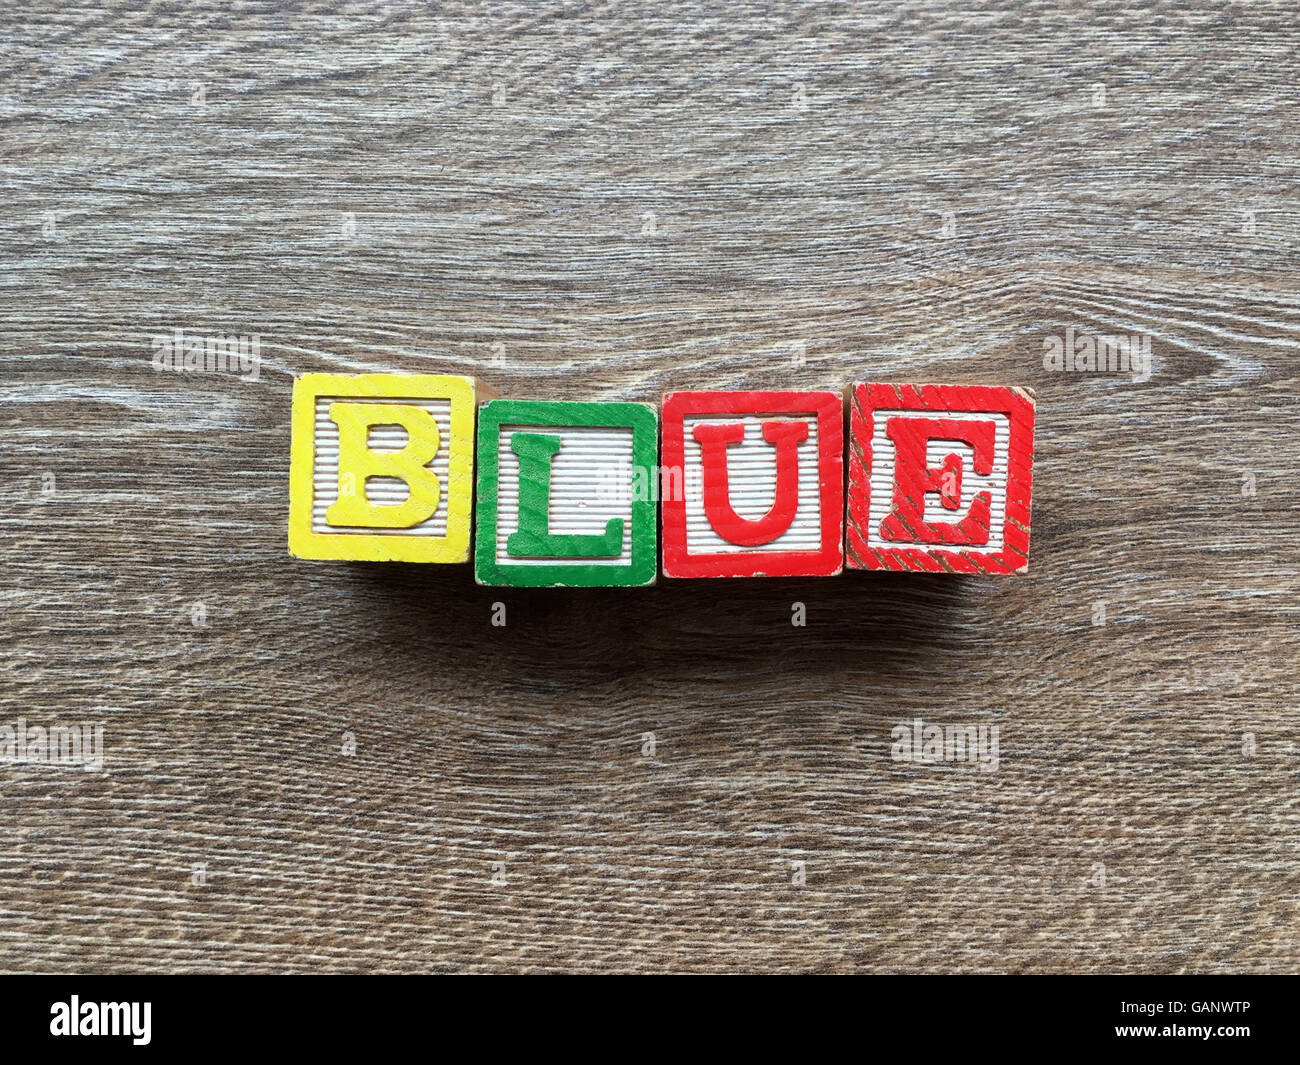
(720, 631)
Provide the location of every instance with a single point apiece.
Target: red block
(753, 484)
(940, 478)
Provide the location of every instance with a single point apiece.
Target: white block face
(382, 491)
(883, 458)
(751, 470)
(591, 482)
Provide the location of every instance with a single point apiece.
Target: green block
(567, 494)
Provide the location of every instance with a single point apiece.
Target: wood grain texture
(611, 201)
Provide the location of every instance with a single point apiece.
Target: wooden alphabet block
(940, 478)
(566, 494)
(753, 484)
(382, 467)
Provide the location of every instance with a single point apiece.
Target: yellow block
(381, 467)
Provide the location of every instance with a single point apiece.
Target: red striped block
(940, 478)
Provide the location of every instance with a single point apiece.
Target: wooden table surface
(331, 767)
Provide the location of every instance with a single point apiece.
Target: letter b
(409, 464)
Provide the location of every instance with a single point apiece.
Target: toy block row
(746, 484)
